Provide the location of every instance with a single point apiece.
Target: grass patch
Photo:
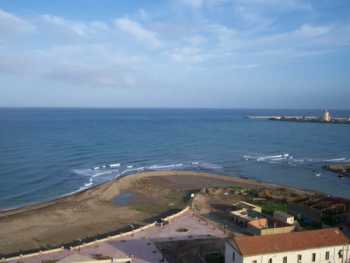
(214, 258)
(149, 208)
(269, 207)
(235, 187)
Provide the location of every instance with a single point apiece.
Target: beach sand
(95, 211)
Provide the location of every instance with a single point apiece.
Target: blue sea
(47, 153)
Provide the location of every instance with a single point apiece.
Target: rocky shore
(340, 169)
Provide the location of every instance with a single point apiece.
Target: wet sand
(93, 212)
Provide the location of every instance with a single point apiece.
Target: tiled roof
(259, 223)
(294, 241)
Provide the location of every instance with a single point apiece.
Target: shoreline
(91, 214)
(44, 203)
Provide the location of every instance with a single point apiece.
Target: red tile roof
(294, 241)
(259, 223)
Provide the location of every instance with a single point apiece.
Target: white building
(283, 217)
(319, 246)
(327, 116)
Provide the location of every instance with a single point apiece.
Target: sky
(175, 53)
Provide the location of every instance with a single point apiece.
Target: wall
(269, 231)
(229, 250)
(292, 256)
(277, 230)
(169, 218)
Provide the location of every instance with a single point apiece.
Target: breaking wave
(106, 172)
(287, 158)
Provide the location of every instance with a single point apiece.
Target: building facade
(327, 116)
(319, 246)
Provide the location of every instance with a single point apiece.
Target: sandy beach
(89, 214)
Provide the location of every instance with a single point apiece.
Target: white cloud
(313, 31)
(187, 55)
(11, 24)
(136, 30)
(264, 15)
(196, 40)
(193, 3)
(226, 37)
(275, 5)
(16, 64)
(78, 28)
(87, 74)
(87, 65)
(198, 4)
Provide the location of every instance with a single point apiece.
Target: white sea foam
(114, 165)
(165, 167)
(99, 174)
(289, 159)
(209, 166)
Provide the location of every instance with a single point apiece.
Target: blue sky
(175, 53)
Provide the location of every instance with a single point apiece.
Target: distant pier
(326, 118)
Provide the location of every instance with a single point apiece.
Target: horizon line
(169, 108)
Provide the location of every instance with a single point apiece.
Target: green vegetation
(149, 208)
(252, 192)
(330, 220)
(269, 207)
(236, 187)
(309, 225)
(214, 258)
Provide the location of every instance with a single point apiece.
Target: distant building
(248, 206)
(325, 245)
(327, 116)
(245, 212)
(249, 217)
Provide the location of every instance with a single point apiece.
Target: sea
(48, 153)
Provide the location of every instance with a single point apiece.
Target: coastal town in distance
(175, 131)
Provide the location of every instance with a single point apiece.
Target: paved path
(140, 246)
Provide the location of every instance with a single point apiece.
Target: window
(284, 259)
(299, 258)
(327, 255)
(340, 253)
(270, 260)
(233, 256)
(313, 257)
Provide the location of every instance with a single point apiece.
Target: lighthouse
(327, 116)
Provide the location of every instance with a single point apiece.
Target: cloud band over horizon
(181, 53)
